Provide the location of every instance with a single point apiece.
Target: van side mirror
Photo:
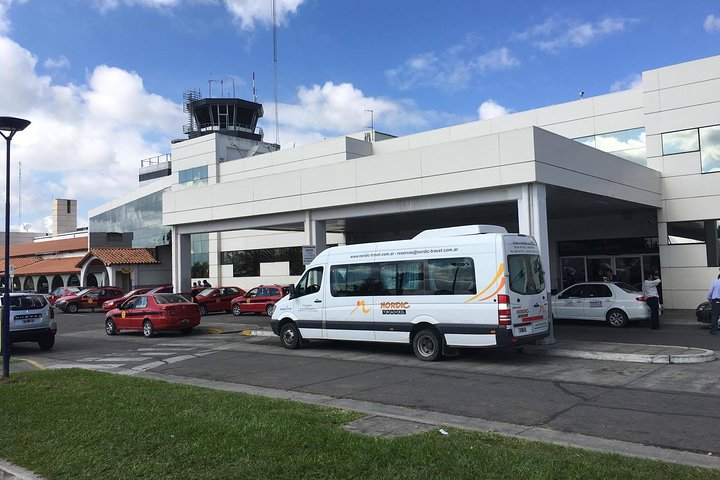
(291, 291)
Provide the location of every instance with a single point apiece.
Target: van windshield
(526, 274)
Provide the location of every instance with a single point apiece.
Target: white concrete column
(181, 263)
(532, 220)
(315, 233)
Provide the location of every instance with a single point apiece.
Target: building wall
(680, 97)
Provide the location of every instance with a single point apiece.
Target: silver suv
(32, 319)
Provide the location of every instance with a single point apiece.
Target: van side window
(444, 276)
(310, 282)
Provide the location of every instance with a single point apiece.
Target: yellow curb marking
(33, 362)
(246, 333)
(214, 331)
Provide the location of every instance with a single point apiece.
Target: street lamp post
(8, 127)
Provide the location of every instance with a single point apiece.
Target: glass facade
(200, 255)
(697, 232)
(628, 144)
(142, 217)
(706, 140)
(710, 149)
(680, 142)
(193, 177)
(246, 263)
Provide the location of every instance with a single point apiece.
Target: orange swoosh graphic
(498, 274)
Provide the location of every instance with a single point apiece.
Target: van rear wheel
(427, 345)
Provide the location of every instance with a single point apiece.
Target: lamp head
(13, 124)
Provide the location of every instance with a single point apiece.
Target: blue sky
(102, 80)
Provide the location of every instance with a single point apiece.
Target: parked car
(61, 292)
(702, 313)
(613, 302)
(115, 302)
(32, 319)
(150, 313)
(162, 289)
(217, 299)
(91, 298)
(259, 300)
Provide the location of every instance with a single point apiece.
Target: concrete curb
(439, 419)
(630, 352)
(8, 471)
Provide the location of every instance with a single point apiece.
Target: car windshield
(204, 293)
(162, 298)
(627, 287)
(81, 292)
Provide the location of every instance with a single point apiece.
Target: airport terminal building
(628, 181)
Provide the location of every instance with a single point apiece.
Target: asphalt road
(665, 405)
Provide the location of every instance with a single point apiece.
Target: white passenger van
(448, 288)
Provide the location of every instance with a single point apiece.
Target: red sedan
(153, 312)
(113, 303)
(217, 299)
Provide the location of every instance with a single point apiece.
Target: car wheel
(236, 310)
(47, 343)
(616, 318)
(148, 329)
(203, 310)
(110, 327)
(269, 309)
(290, 336)
(71, 308)
(427, 345)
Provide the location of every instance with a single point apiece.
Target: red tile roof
(79, 244)
(121, 256)
(51, 266)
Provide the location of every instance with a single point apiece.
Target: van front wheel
(427, 345)
(290, 336)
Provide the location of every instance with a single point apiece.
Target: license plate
(522, 329)
(28, 320)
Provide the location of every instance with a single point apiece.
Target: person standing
(713, 297)
(652, 299)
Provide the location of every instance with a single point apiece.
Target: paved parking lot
(663, 407)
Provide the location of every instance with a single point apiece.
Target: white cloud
(85, 141)
(448, 70)
(557, 33)
(250, 12)
(491, 109)
(4, 21)
(58, 63)
(631, 81)
(340, 109)
(712, 24)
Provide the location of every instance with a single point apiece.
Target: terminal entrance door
(629, 269)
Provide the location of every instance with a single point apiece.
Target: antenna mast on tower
(277, 128)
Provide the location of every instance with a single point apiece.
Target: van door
(349, 306)
(308, 303)
(528, 298)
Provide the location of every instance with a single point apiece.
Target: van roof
(460, 231)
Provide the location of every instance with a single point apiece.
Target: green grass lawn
(79, 424)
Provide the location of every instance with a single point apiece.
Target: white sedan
(613, 302)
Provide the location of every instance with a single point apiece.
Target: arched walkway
(73, 281)
(57, 282)
(42, 284)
